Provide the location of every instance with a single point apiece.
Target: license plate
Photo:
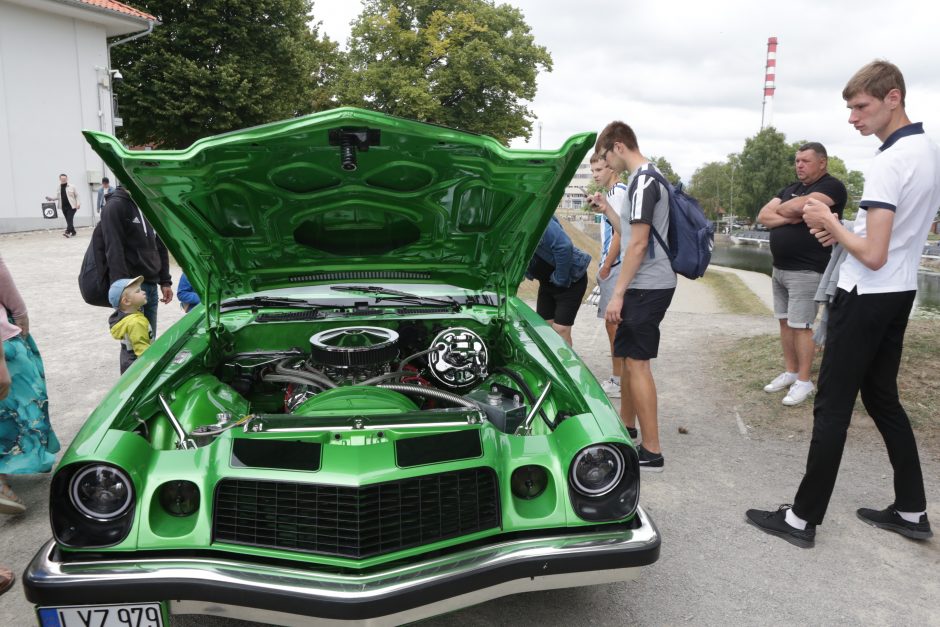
(125, 615)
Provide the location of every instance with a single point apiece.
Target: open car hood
(346, 195)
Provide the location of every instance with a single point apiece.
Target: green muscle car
(361, 422)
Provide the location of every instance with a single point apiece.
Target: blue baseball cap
(117, 288)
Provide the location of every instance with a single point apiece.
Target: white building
(55, 82)
(575, 197)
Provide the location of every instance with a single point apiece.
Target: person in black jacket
(133, 248)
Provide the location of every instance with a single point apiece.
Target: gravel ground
(714, 568)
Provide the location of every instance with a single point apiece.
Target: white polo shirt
(904, 177)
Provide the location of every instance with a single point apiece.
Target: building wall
(50, 92)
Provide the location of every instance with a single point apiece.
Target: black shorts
(638, 332)
(560, 304)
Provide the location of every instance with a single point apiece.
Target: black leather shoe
(889, 519)
(775, 523)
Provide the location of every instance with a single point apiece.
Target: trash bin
(49, 211)
(597, 218)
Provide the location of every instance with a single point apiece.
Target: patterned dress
(27, 442)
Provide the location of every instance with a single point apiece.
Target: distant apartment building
(575, 197)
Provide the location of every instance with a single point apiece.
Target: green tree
(766, 166)
(467, 64)
(706, 186)
(218, 65)
(666, 168)
(853, 180)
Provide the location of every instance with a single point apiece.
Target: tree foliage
(766, 166)
(853, 180)
(214, 66)
(465, 64)
(666, 168)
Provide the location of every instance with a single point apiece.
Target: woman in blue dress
(27, 443)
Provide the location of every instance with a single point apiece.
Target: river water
(757, 259)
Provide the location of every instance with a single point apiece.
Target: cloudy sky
(688, 74)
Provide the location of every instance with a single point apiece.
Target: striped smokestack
(770, 84)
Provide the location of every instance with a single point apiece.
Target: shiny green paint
(264, 207)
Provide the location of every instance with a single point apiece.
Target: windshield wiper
(380, 294)
(267, 301)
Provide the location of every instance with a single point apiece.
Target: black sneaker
(634, 434)
(650, 462)
(775, 523)
(889, 519)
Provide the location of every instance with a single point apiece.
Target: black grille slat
(356, 522)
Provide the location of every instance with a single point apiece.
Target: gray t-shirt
(648, 203)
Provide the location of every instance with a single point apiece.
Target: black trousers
(864, 338)
(69, 215)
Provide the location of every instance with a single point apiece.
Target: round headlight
(528, 482)
(597, 469)
(101, 492)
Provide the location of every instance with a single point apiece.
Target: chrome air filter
(354, 347)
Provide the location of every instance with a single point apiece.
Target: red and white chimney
(770, 84)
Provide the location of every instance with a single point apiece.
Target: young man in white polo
(868, 317)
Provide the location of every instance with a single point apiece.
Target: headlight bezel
(616, 504)
(72, 527)
(611, 485)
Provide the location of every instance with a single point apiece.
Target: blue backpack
(691, 236)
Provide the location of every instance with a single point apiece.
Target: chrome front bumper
(289, 596)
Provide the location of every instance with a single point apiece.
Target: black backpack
(93, 280)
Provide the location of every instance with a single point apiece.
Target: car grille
(356, 522)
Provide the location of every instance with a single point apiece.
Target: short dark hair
(64, 174)
(614, 132)
(876, 79)
(816, 147)
(596, 156)
(105, 179)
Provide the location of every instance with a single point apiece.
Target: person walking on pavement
(103, 192)
(67, 202)
(799, 261)
(868, 316)
(645, 287)
(133, 249)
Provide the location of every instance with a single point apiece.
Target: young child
(128, 323)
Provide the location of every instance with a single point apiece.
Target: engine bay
(380, 374)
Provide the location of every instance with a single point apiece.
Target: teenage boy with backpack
(646, 283)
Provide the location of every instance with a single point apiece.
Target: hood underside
(346, 194)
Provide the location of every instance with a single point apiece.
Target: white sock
(795, 521)
(793, 374)
(911, 517)
(804, 383)
(615, 380)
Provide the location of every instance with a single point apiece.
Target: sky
(688, 75)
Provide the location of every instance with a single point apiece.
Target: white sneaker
(611, 388)
(782, 382)
(798, 393)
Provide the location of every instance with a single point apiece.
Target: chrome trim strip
(45, 572)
